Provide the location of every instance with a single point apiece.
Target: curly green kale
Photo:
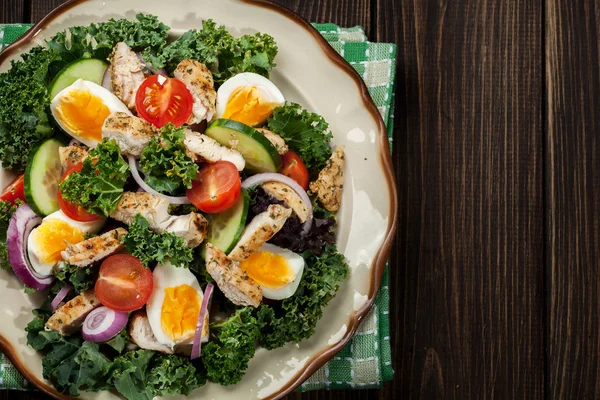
(99, 185)
(6, 211)
(81, 279)
(152, 247)
(295, 318)
(226, 358)
(304, 132)
(24, 100)
(222, 53)
(165, 163)
(98, 39)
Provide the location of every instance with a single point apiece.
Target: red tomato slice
(161, 100)
(71, 210)
(15, 191)
(124, 284)
(216, 187)
(294, 168)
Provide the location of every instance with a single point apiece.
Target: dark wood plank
(12, 11)
(470, 243)
(573, 151)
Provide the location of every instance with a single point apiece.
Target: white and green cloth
(366, 362)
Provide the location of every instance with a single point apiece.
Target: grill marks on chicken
(199, 81)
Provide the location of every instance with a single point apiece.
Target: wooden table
(495, 290)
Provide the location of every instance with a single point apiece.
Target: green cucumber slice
(225, 229)
(42, 177)
(260, 154)
(90, 69)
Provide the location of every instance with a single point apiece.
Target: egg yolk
(82, 114)
(268, 269)
(179, 313)
(52, 237)
(245, 105)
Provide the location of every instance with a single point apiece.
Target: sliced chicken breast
(132, 134)
(72, 155)
(142, 335)
(275, 140)
(191, 227)
(69, 318)
(94, 249)
(199, 81)
(235, 284)
(259, 231)
(328, 186)
(286, 194)
(126, 74)
(203, 148)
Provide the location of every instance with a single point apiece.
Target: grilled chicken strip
(142, 335)
(132, 134)
(191, 228)
(235, 284)
(94, 249)
(72, 155)
(69, 318)
(204, 148)
(286, 194)
(330, 182)
(199, 81)
(259, 231)
(275, 140)
(126, 74)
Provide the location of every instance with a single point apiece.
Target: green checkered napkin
(366, 361)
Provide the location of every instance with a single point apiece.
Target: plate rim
(385, 160)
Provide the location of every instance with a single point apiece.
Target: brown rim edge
(381, 257)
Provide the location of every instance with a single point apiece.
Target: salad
(176, 211)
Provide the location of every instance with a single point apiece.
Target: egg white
(165, 276)
(267, 90)
(109, 99)
(43, 268)
(295, 263)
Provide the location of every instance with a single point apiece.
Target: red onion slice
(143, 185)
(197, 345)
(107, 79)
(103, 324)
(60, 296)
(275, 177)
(20, 226)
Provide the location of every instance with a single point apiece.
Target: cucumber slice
(259, 153)
(90, 69)
(42, 177)
(225, 229)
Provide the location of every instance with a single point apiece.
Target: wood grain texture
(573, 150)
(470, 243)
(12, 11)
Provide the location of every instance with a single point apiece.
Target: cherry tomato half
(161, 100)
(15, 191)
(123, 284)
(71, 210)
(294, 168)
(216, 187)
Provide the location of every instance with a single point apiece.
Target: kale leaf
(151, 247)
(295, 318)
(226, 358)
(81, 279)
(6, 211)
(222, 53)
(165, 162)
(304, 132)
(99, 185)
(24, 100)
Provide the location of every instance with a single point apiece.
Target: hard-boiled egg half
(277, 271)
(174, 306)
(54, 234)
(248, 98)
(80, 110)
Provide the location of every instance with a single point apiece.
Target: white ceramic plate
(308, 72)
